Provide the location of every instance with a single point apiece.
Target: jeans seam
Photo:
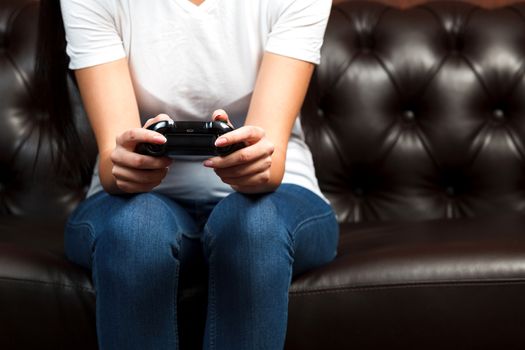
(211, 317)
(182, 231)
(83, 224)
(292, 245)
(90, 230)
(206, 239)
(179, 227)
(175, 295)
(308, 221)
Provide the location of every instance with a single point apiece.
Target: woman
(258, 212)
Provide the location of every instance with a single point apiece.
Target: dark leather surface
(416, 285)
(27, 186)
(46, 301)
(416, 120)
(417, 253)
(419, 114)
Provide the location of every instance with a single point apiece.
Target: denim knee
(140, 237)
(247, 227)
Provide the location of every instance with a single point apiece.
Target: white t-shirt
(188, 60)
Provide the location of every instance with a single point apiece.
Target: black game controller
(187, 138)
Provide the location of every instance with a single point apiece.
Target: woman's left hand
(248, 169)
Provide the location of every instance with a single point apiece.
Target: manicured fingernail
(208, 163)
(221, 141)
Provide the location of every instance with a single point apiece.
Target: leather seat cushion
(409, 283)
(44, 298)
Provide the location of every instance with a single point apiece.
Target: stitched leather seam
(20, 74)
(438, 284)
(12, 18)
(337, 147)
(16, 67)
(478, 76)
(353, 58)
(516, 141)
(49, 284)
(466, 18)
(520, 73)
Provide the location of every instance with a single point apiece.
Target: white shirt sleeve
(91, 32)
(299, 29)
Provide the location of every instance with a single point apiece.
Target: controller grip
(150, 149)
(224, 151)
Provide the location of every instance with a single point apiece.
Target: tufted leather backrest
(28, 187)
(412, 114)
(420, 113)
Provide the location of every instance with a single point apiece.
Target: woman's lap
(101, 212)
(253, 245)
(291, 205)
(306, 221)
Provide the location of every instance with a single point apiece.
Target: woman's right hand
(134, 172)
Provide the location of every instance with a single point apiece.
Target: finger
(128, 159)
(221, 115)
(152, 177)
(248, 134)
(249, 181)
(245, 155)
(132, 187)
(241, 157)
(157, 119)
(130, 138)
(258, 166)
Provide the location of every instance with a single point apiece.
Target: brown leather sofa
(416, 120)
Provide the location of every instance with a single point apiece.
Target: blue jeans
(254, 245)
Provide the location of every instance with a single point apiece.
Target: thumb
(221, 115)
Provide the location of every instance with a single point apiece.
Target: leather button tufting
(498, 114)
(409, 116)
